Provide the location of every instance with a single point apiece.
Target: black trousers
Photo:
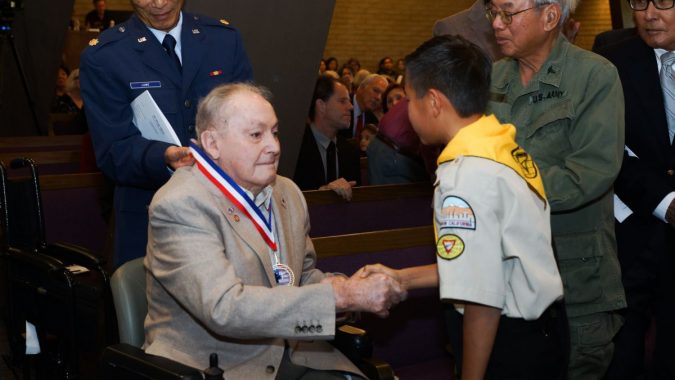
(647, 256)
(523, 349)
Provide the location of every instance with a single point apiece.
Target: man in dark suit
(328, 161)
(646, 185)
(178, 58)
(367, 102)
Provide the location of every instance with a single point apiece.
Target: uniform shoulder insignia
(93, 42)
(224, 22)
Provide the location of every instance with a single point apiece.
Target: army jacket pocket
(547, 135)
(579, 258)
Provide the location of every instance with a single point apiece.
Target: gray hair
(371, 78)
(566, 6)
(221, 96)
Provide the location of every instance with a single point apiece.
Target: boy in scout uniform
(495, 261)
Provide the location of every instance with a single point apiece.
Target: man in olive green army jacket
(567, 106)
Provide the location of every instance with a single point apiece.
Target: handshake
(373, 288)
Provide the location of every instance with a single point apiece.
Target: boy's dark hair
(323, 89)
(454, 66)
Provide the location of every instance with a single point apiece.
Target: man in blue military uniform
(176, 56)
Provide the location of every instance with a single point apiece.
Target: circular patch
(449, 246)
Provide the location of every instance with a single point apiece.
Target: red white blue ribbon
(236, 195)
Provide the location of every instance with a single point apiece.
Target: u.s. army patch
(455, 212)
(449, 247)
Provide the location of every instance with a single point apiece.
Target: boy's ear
(435, 100)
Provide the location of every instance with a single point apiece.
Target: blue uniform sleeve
(121, 152)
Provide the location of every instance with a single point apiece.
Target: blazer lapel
(241, 225)
(647, 85)
(152, 53)
(193, 48)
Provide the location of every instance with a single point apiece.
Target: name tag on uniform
(145, 85)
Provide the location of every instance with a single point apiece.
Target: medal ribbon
(236, 195)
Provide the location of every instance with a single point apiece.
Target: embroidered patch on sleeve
(455, 212)
(526, 162)
(449, 247)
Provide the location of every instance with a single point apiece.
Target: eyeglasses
(507, 17)
(641, 5)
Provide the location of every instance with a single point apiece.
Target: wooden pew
(39, 143)
(371, 208)
(53, 154)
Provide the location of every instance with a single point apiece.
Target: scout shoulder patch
(455, 213)
(449, 247)
(529, 169)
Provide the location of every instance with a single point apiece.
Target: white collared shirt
(175, 33)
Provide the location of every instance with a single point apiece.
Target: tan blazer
(211, 288)
(474, 26)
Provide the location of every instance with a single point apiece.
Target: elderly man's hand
(376, 294)
(342, 187)
(178, 156)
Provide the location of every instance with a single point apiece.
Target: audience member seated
(347, 78)
(322, 67)
(367, 135)
(98, 18)
(230, 265)
(391, 96)
(400, 68)
(354, 64)
(386, 68)
(367, 103)
(332, 74)
(394, 154)
(359, 77)
(327, 160)
(78, 125)
(332, 64)
(62, 102)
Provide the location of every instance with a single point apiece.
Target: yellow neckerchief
(488, 138)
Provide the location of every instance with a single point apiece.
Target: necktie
(331, 174)
(169, 45)
(668, 87)
(359, 127)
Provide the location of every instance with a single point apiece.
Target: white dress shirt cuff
(662, 207)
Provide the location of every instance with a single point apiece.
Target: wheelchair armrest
(353, 342)
(124, 361)
(357, 346)
(73, 254)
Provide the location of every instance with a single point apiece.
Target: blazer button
(269, 369)
(187, 103)
(670, 172)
